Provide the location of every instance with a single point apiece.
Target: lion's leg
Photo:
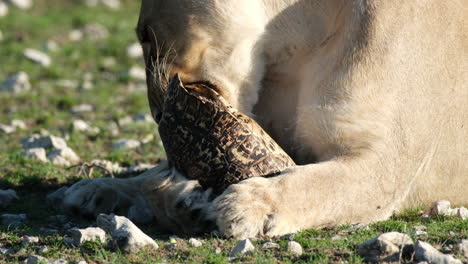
(317, 195)
(160, 196)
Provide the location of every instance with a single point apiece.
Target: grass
(47, 108)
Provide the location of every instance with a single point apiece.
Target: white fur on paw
(250, 209)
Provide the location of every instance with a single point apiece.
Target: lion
(368, 97)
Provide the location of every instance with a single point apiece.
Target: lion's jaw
(214, 42)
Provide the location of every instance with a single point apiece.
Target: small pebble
(335, 238)
(35, 154)
(22, 4)
(16, 83)
(34, 259)
(137, 73)
(126, 144)
(37, 57)
(3, 9)
(75, 35)
(243, 247)
(135, 50)
(269, 245)
(43, 249)
(63, 157)
(6, 251)
(7, 129)
(30, 240)
(420, 233)
(295, 248)
(195, 242)
(88, 234)
(46, 142)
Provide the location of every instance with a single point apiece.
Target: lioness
(370, 97)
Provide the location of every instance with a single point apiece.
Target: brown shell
(208, 140)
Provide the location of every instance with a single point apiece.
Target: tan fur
(370, 97)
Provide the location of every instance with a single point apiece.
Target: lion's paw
(252, 208)
(91, 197)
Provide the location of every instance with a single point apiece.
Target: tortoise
(208, 140)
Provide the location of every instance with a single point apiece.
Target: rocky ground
(73, 105)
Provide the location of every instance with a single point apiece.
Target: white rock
(425, 252)
(7, 129)
(80, 125)
(269, 245)
(441, 207)
(108, 62)
(195, 242)
(66, 153)
(385, 247)
(18, 124)
(75, 35)
(125, 235)
(13, 219)
(58, 261)
(95, 31)
(37, 57)
(243, 247)
(30, 240)
(135, 50)
(462, 213)
(7, 197)
(82, 262)
(137, 73)
(43, 249)
(126, 120)
(87, 85)
(462, 248)
(3, 9)
(51, 45)
(113, 4)
(16, 83)
(46, 142)
(22, 4)
(34, 259)
(88, 234)
(335, 238)
(295, 248)
(6, 251)
(420, 233)
(126, 144)
(82, 108)
(35, 154)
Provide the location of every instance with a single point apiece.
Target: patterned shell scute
(208, 140)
